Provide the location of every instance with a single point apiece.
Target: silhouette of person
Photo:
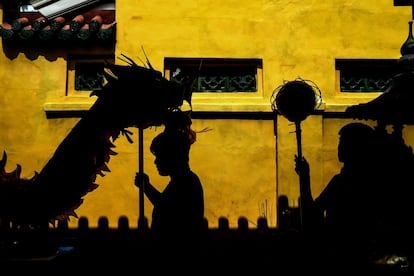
(345, 215)
(178, 211)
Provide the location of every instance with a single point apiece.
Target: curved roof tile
(93, 25)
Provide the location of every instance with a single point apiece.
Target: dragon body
(53, 194)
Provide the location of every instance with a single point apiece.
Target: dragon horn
(130, 61)
(109, 74)
(146, 58)
(17, 171)
(3, 162)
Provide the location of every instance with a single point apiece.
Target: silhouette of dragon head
(133, 96)
(140, 96)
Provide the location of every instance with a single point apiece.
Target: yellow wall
(242, 165)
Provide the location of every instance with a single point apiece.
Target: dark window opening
(365, 76)
(216, 75)
(89, 76)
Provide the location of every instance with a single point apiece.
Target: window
(221, 84)
(89, 76)
(217, 75)
(85, 74)
(364, 75)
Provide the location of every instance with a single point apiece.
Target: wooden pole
(299, 147)
(141, 219)
(298, 139)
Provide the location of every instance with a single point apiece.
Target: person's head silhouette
(356, 143)
(171, 150)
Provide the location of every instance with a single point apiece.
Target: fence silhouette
(258, 245)
(247, 247)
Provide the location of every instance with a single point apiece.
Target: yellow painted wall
(242, 165)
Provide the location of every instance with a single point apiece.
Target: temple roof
(95, 24)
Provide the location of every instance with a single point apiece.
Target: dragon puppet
(52, 195)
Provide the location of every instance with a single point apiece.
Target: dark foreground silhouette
(178, 211)
(364, 214)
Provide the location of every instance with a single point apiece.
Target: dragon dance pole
(299, 139)
(141, 218)
(296, 100)
(299, 147)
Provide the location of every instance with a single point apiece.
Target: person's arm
(310, 215)
(142, 179)
(303, 170)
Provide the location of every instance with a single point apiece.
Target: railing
(259, 247)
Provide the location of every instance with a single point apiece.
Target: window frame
(71, 99)
(224, 101)
(361, 64)
(71, 73)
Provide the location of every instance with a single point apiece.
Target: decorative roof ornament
(395, 106)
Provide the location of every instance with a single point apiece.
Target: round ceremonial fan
(296, 100)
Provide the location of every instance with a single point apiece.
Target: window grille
(365, 76)
(216, 75)
(85, 73)
(89, 76)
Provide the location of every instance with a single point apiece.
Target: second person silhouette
(178, 210)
